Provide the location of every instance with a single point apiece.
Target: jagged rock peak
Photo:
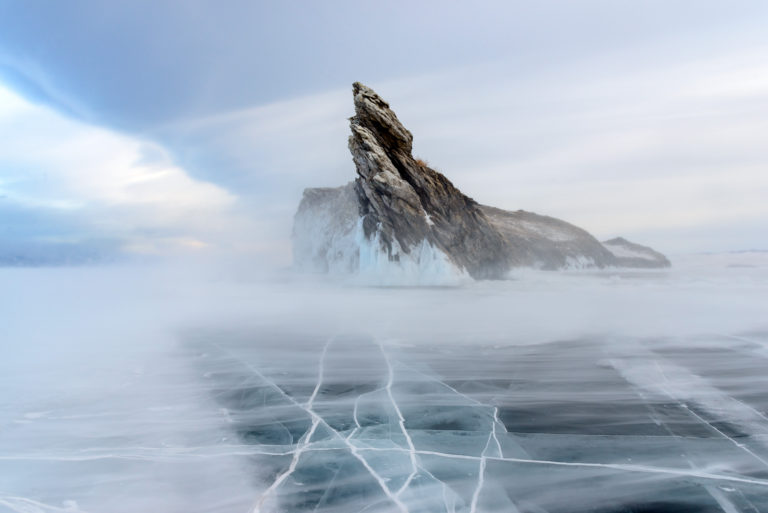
(373, 113)
(404, 203)
(401, 215)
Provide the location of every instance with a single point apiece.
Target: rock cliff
(629, 254)
(400, 213)
(403, 202)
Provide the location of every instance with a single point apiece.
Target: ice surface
(155, 390)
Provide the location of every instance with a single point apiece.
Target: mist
(188, 388)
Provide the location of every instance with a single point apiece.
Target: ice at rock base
(423, 266)
(354, 258)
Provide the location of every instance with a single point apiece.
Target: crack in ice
(305, 440)
(614, 466)
(353, 450)
(725, 504)
(685, 406)
(496, 422)
(354, 438)
(484, 459)
(401, 422)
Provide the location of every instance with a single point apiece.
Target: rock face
(403, 202)
(547, 243)
(400, 213)
(629, 254)
(325, 230)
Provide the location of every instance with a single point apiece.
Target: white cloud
(122, 186)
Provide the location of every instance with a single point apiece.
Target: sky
(146, 128)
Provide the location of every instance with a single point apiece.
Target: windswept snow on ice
(345, 422)
(133, 389)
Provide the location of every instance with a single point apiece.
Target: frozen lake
(149, 389)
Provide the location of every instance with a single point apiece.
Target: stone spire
(404, 202)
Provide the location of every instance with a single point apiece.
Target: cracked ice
(564, 393)
(404, 429)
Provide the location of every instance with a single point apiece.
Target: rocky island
(399, 216)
